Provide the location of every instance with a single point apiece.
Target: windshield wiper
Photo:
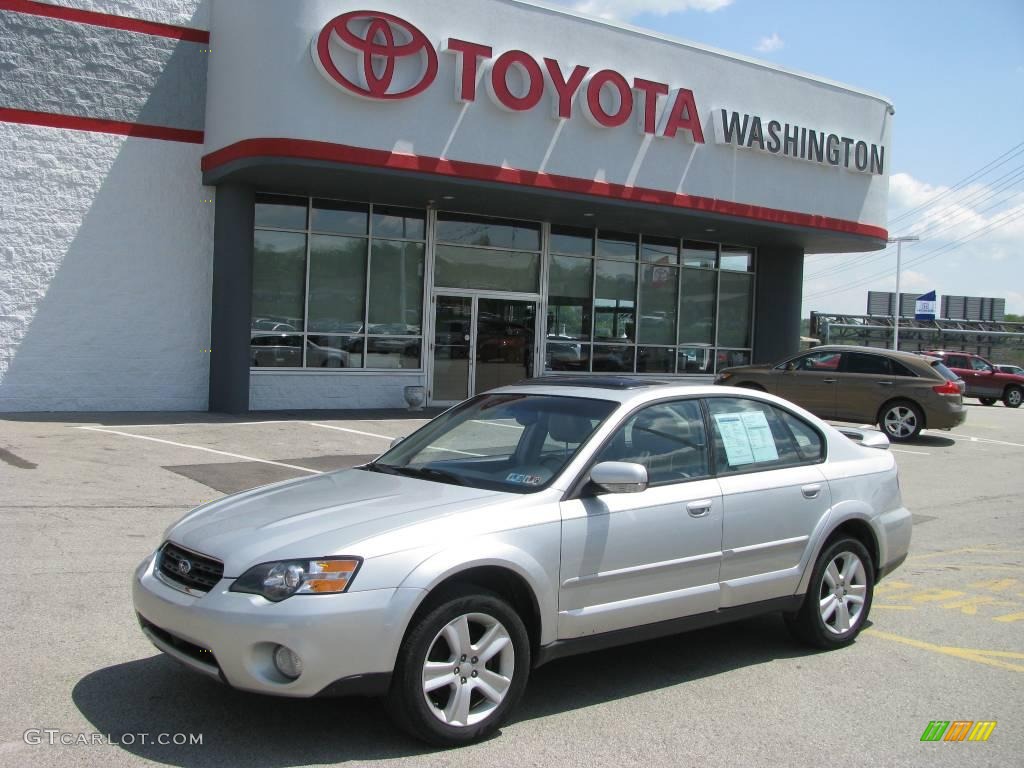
(385, 469)
(430, 473)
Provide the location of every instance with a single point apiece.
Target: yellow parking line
(894, 607)
(990, 658)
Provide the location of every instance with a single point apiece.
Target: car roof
(899, 355)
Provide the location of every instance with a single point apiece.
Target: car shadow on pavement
(929, 439)
(156, 696)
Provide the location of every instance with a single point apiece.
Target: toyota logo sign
(184, 567)
(393, 59)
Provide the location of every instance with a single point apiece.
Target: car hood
(317, 516)
(746, 369)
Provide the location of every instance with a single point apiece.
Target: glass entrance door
(480, 343)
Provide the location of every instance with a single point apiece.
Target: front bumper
(232, 636)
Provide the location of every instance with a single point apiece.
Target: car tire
(1012, 397)
(468, 705)
(901, 420)
(988, 400)
(843, 572)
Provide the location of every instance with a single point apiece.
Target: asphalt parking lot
(83, 498)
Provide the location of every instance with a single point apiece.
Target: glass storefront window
(727, 358)
(659, 250)
(399, 223)
(697, 307)
(339, 217)
(616, 245)
(735, 304)
(700, 255)
(278, 281)
(696, 360)
(486, 269)
(396, 288)
(361, 303)
(658, 288)
(656, 360)
(281, 211)
(613, 358)
(570, 283)
(563, 356)
(486, 232)
(337, 284)
(615, 302)
(735, 259)
(572, 241)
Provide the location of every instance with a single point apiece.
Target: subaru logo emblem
(184, 566)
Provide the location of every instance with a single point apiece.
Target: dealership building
(245, 205)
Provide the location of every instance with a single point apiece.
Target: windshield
(506, 442)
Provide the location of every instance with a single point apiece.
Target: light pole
(899, 266)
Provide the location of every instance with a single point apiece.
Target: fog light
(287, 662)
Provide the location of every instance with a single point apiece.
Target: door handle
(811, 491)
(828, 381)
(699, 508)
(884, 383)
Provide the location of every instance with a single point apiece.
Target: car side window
(980, 365)
(859, 362)
(669, 439)
(827, 362)
(751, 435)
(956, 361)
(899, 369)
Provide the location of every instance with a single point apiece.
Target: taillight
(949, 388)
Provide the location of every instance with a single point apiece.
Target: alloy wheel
(900, 421)
(468, 669)
(1013, 398)
(842, 593)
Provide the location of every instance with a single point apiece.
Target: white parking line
(201, 448)
(203, 424)
(986, 440)
(904, 450)
(353, 431)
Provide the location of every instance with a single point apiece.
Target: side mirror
(619, 477)
(395, 442)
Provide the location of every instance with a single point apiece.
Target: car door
(810, 382)
(865, 382)
(774, 496)
(637, 558)
(986, 382)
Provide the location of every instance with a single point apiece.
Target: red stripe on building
(108, 20)
(139, 130)
(340, 153)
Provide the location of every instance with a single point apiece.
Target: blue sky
(955, 73)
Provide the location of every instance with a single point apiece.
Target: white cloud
(770, 44)
(627, 9)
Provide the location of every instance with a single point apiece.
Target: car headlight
(280, 580)
(723, 377)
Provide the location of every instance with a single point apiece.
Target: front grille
(189, 569)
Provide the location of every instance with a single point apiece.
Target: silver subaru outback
(529, 523)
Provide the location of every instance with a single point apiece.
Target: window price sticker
(747, 438)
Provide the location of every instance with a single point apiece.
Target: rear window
(947, 374)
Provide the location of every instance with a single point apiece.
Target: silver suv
(529, 523)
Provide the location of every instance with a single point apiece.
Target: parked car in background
(983, 379)
(532, 522)
(1004, 368)
(901, 392)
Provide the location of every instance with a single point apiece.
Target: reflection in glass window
(572, 241)
(660, 250)
(615, 302)
(459, 267)
(697, 307)
(570, 282)
(700, 255)
(396, 288)
(337, 283)
(750, 435)
(728, 358)
(616, 245)
(403, 223)
(658, 287)
(487, 232)
(697, 360)
(393, 353)
(334, 351)
(339, 217)
(281, 211)
(567, 356)
(735, 306)
(669, 439)
(737, 259)
(613, 358)
(278, 281)
(656, 360)
(275, 350)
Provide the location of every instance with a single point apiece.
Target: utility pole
(899, 267)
